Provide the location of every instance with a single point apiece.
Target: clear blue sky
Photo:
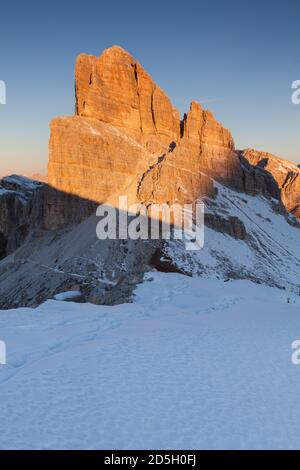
(239, 58)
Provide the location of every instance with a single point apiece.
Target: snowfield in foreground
(191, 364)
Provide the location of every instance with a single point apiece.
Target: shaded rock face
(62, 209)
(72, 258)
(258, 181)
(282, 175)
(232, 226)
(21, 208)
(3, 245)
(127, 138)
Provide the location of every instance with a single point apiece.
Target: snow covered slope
(267, 253)
(192, 363)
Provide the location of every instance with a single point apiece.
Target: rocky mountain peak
(127, 137)
(114, 88)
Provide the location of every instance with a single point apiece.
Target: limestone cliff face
(127, 138)
(285, 174)
(213, 142)
(115, 89)
(204, 152)
(92, 159)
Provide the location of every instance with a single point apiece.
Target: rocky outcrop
(231, 226)
(21, 208)
(281, 177)
(258, 181)
(213, 143)
(204, 152)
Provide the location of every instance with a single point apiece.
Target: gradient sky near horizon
(238, 59)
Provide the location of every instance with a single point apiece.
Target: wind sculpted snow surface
(191, 364)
